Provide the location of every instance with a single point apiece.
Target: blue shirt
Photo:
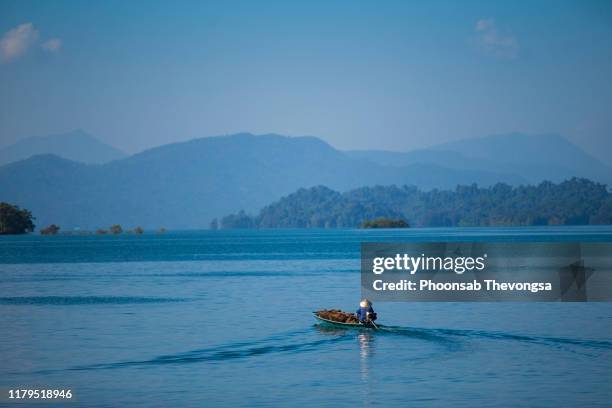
(362, 313)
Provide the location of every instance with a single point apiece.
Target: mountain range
(533, 158)
(187, 184)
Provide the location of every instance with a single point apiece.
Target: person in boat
(365, 313)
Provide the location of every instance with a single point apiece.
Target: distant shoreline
(363, 230)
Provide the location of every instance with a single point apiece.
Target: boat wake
(323, 338)
(282, 343)
(436, 334)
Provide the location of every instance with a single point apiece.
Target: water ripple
(83, 300)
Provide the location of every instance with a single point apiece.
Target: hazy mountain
(76, 145)
(185, 185)
(532, 157)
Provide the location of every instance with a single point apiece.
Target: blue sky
(388, 75)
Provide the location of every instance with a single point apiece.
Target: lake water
(222, 318)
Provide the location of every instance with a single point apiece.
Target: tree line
(15, 221)
(572, 202)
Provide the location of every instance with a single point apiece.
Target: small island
(385, 223)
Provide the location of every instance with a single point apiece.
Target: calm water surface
(213, 318)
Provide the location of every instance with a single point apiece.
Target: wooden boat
(346, 325)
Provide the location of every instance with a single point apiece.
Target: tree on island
(383, 222)
(116, 229)
(138, 230)
(52, 229)
(14, 220)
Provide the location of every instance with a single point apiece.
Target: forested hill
(572, 202)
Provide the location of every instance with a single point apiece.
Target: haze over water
(223, 317)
